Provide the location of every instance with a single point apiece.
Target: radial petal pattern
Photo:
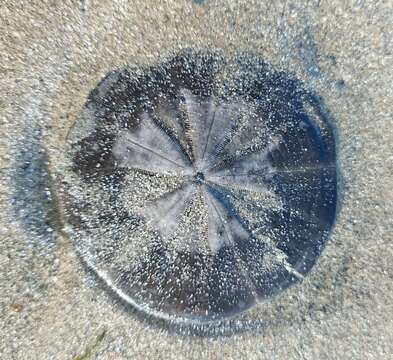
(150, 148)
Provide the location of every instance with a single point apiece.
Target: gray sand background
(53, 54)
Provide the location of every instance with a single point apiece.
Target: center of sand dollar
(199, 178)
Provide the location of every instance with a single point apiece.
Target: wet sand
(52, 56)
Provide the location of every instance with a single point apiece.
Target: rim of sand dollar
(201, 185)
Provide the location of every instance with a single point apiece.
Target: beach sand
(53, 55)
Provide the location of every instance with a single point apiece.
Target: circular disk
(198, 186)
